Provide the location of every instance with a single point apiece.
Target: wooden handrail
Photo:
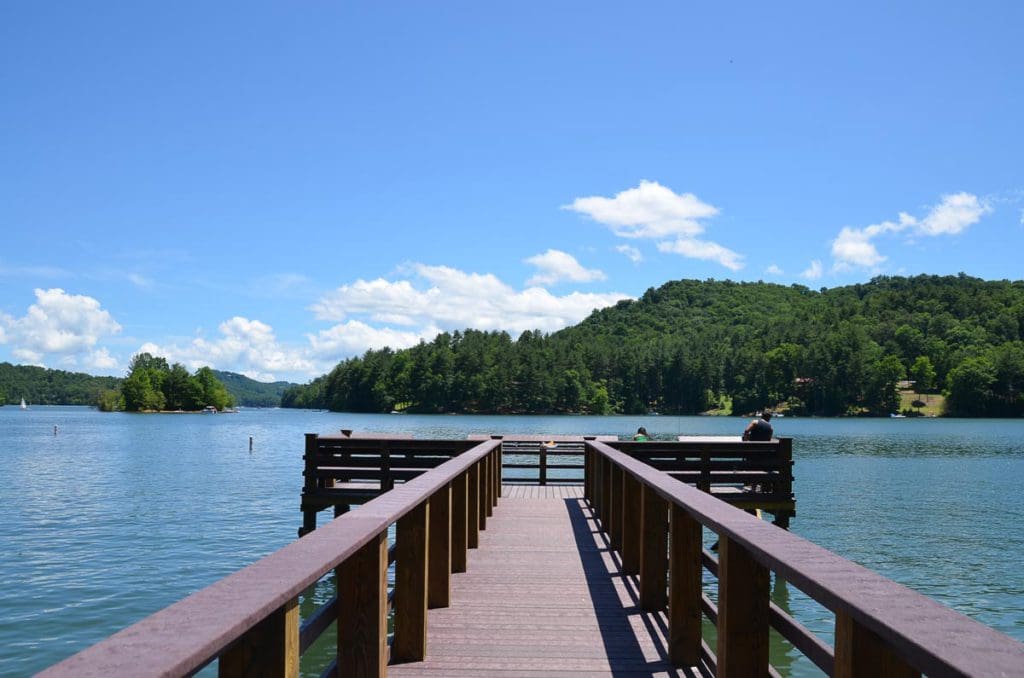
(217, 621)
(880, 624)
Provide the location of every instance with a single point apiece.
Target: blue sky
(271, 187)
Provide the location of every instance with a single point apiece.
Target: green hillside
(42, 386)
(690, 346)
(251, 393)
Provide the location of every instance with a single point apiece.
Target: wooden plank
(565, 608)
(362, 614)
(653, 551)
(460, 522)
(270, 649)
(684, 617)
(859, 652)
(743, 597)
(473, 515)
(632, 524)
(440, 553)
(412, 542)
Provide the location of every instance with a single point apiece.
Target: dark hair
(766, 415)
(642, 431)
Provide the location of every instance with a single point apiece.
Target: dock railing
(882, 628)
(249, 621)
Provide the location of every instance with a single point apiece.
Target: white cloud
(653, 211)
(556, 266)
(101, 359)
(813, 272)
(702, 249)
(648, 211)
(632, 253)
(953, 215)
(774, 270)
(246, 346)
(354, 337)
(58, 324)
(453, 299)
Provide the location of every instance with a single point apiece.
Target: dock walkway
(543, 595)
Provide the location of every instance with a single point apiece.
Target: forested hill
(251, 393)
(42, 386)
(690, 346)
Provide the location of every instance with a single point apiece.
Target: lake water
(119, 515)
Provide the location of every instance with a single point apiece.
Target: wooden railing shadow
(625, 654)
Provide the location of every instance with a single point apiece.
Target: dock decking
(543, 595)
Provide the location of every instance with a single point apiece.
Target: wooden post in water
(412, 542)
(786, 486)
(743, 602)
(460, 522)
(309, 484)
(653, 551)
(860, 652)
(439, 591)
(362, 611)
(684, 588)
(271, 648)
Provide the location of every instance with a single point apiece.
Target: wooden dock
(543, 595)
(491, 578)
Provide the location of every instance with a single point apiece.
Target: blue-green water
(119, 515)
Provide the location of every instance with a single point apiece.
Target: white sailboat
(23, 405)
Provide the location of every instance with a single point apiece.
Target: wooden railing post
(309, 484)
(439, 589)
(542, 464)
(653, 551)
(786, 485)
(632, 525)
(615, 515)
(860, 652)
(499, 469)
(597, 466)
(743, 601)
(481, 479)
(473, 505)
(588, 474)
(460, 522)
(606, 493)
(412, 542)
(704, 484)
(684, 588)
(270, 649)
(362, 613)
(387, 481)
(489, 501)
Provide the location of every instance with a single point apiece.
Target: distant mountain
(43, 386)
(251, 393)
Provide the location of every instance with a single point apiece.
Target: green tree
(970, 384)
(882, 396)
(923, 374)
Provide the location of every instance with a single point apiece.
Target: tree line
(689, 346)
(42, 386)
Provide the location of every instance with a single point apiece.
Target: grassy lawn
(933, 403)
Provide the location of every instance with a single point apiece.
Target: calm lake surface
(119, 515)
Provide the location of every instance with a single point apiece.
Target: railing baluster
(439, 590)
(606, 494)
(270, 649)
(860, 652)
(473, 524)
(684, 588)
(632, 526)
(481, 498)
(489, 485)
(615, 515)
(743, 596)
(460, 522)
(362, 612)
(653, 551)
(412, 541)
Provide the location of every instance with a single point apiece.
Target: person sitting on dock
(760, 428)
(641, 435)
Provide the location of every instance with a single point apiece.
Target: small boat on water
(23, 405)
(209, 409)
(898, 416)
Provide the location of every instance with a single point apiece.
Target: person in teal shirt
(641, 435)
